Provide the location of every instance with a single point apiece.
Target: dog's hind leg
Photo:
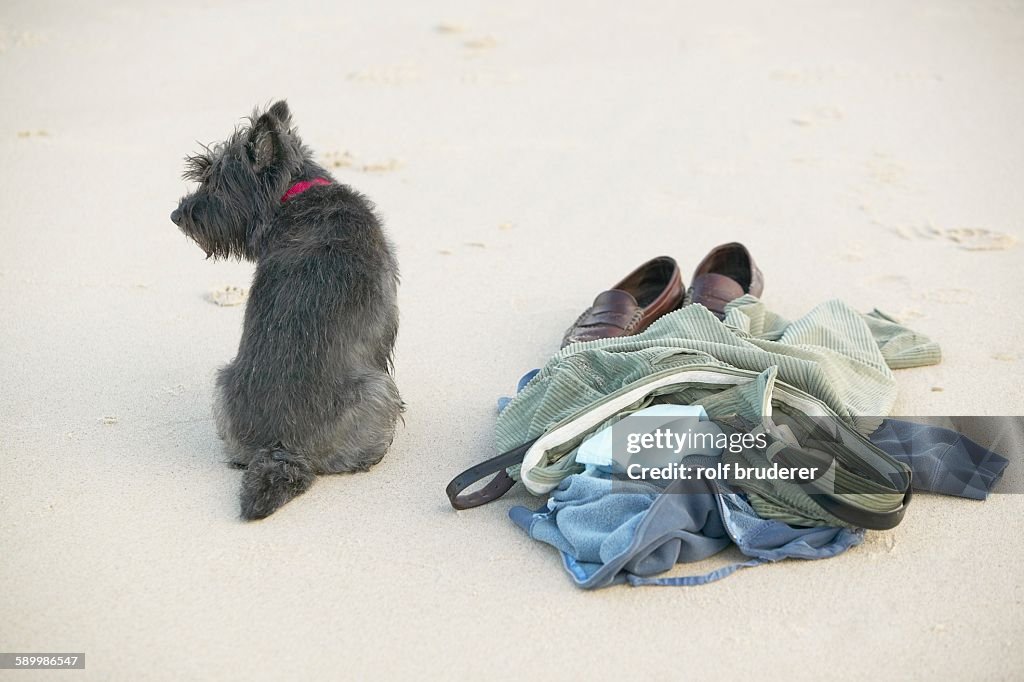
(239, 456)
(365, 427)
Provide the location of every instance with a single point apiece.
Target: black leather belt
(495, 488)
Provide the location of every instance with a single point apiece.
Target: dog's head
(241, 181)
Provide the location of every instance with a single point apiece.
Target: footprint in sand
(817, 116)
(227, 296)
(484, 43)
(909, 315)
(474, 46)
(342, 159)
(971, 238)
(880, 544)
(966, 238)
(381, 167)
(346, 159)
(451, 27)
(946, 296)
(18, 39)
(884, 170)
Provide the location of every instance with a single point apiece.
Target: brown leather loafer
(725, 274)
(647, 293)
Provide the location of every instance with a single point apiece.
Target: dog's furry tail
(273, 478)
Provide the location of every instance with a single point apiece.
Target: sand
(524, 158)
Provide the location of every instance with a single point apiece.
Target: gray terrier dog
(310, 391)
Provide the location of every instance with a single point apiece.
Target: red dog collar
(300, 187)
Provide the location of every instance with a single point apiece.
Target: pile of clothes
(814, 391)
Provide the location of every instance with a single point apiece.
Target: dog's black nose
(176, 215)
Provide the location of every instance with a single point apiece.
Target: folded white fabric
(597, 451)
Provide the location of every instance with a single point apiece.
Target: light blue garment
(611, 532)
(607, 537)
(771, 540)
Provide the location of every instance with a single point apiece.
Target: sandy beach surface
(524, 156)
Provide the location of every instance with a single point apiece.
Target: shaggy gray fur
(310, 391)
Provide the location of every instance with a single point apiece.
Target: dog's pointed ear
(264, 141)
(281, 112)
